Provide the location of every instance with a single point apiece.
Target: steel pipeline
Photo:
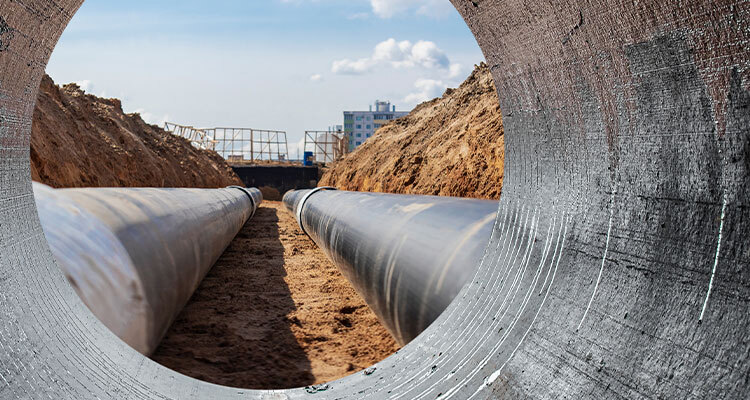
(407, 255)
(619, 263)
(135, 256)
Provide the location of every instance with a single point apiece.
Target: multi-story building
(361, 125)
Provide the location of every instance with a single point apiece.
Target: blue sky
(291, 65)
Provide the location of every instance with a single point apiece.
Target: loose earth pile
(80, 140)
(450, 146)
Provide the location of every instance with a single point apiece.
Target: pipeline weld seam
(471, 324)
(716, 257)
(304, 199)
(604, 260)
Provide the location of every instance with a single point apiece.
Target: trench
(618, 267)
(274, 313)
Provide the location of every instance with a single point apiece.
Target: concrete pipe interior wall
(618, 266)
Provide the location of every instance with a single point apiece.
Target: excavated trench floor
(274, 313)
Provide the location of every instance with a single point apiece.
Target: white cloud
(297, 150)
(85, 85)
(456, 70)
(427, 89)
(151, 118)
(429, 55)
(356, 16)
(430, 8)
(316, 78)
(403, 54)
(435, 8)
(389, 8)
(392, 51)
(89, 88)
(351, 67)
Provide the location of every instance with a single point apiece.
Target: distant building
(361, 125)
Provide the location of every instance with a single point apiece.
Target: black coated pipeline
(407, 255)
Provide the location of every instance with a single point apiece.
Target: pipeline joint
(302, 202)
(253, 201)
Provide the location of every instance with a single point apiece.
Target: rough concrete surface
(619, 262)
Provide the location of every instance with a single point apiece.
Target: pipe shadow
(234, 331)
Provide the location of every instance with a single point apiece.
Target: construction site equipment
(135, 256)
(626, 182)
(327, 146)
(309, 159)
(407, 255)
(199, 138)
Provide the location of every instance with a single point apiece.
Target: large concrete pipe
(619, 265)
(135, 256)
(408, 256)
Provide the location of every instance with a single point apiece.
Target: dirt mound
(270, 193)
(450, 146)
(80, 140)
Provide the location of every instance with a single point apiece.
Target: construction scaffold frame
(197, 137)
(237, 145)
(326, 146)
(246, 145)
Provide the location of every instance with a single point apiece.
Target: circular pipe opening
(619, 247)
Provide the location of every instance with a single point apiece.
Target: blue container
(309, 157)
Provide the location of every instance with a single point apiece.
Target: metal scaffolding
(237, 145)
(326, 146)
(246, 145)
(199, 138)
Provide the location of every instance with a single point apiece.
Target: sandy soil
(274, 313)
(450, 146)
(80, 140)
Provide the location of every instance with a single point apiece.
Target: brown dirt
(270, 193)
(80, 140)
(450, 146)
(274, 313)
